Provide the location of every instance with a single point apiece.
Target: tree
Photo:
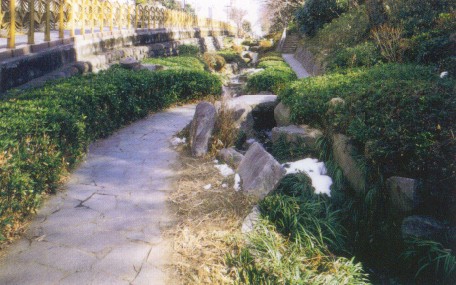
(278, 14)
(376, 12)
(247, 27)
(237, 15)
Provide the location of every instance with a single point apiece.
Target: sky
(219, 9)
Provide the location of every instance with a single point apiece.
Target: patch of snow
(225, 170)
(207, 187)
(175, 141)
(216, 161)
(250, 141)
(444, 74)
(316, 170)
(224, 185)
(237, 182)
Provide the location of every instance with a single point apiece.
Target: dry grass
(208, 223)
(225, 130)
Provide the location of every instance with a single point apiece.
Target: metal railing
(88, 16)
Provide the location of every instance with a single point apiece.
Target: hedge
(275, 76)
(402, 117)
(45, 132)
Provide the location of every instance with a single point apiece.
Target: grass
(178, 62)
(208, 223)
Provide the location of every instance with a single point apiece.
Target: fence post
(12, 31)
(47, 25)
(31, 32)
(61, 19)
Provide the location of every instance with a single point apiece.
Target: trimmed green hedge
(402, 117)
(44, 132)
(275, 76)
(178, 62)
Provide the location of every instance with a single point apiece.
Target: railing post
(71, 16)
(12, 31)
(136, 16)
(47, 25)
(101, 16)
(31, 32)
(61, 19)
(128, 16)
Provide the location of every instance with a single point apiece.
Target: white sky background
(219, 10)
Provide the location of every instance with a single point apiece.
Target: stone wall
(307, 60)
(100, 50)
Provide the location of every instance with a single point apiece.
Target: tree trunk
(376, 12)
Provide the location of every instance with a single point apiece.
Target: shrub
(417, 16)
(178, 62)
(45, 131)
(403, 113)
(232, 56)
(275, 77)
(189, 50)
(271, 58)
(388, 40)
(214, 61)
(315, 13)
(348, 30)
(365, 54)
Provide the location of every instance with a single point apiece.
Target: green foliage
(315, 13)
(45, 131)
(275, 77)
(189, 50)
(291, 244)
(417, 16)
(250, 43)
(214, 61)
(284, 151)
(271, 58)
(430, 260)
(404, 113)
(178, 62)
(365, 54)
(232, 56)
(348, 30)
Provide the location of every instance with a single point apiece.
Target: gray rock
(130, 63)
(294, 133)
(230, 156)
(422, 227)
(202, 127)
(343, 155)
(282, 115)
(260, 173)
(248, 225)
(403, 192)
(152, 67)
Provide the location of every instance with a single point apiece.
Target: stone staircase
(291, 43)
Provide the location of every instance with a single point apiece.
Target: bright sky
(219, 8)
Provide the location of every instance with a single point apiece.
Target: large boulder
(230, 156)
(403, 193)
(282, 115)
(130, 63)
(248, 110)
(343, 155)
(294, 134)
(260, 173)
(423, 227)
(202, 128)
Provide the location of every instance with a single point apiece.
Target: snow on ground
(207, 187)
(316, 170)
(237, 182)
(225, 170)
(175, 141)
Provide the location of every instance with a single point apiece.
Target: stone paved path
(300, 71)
(106, 227)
